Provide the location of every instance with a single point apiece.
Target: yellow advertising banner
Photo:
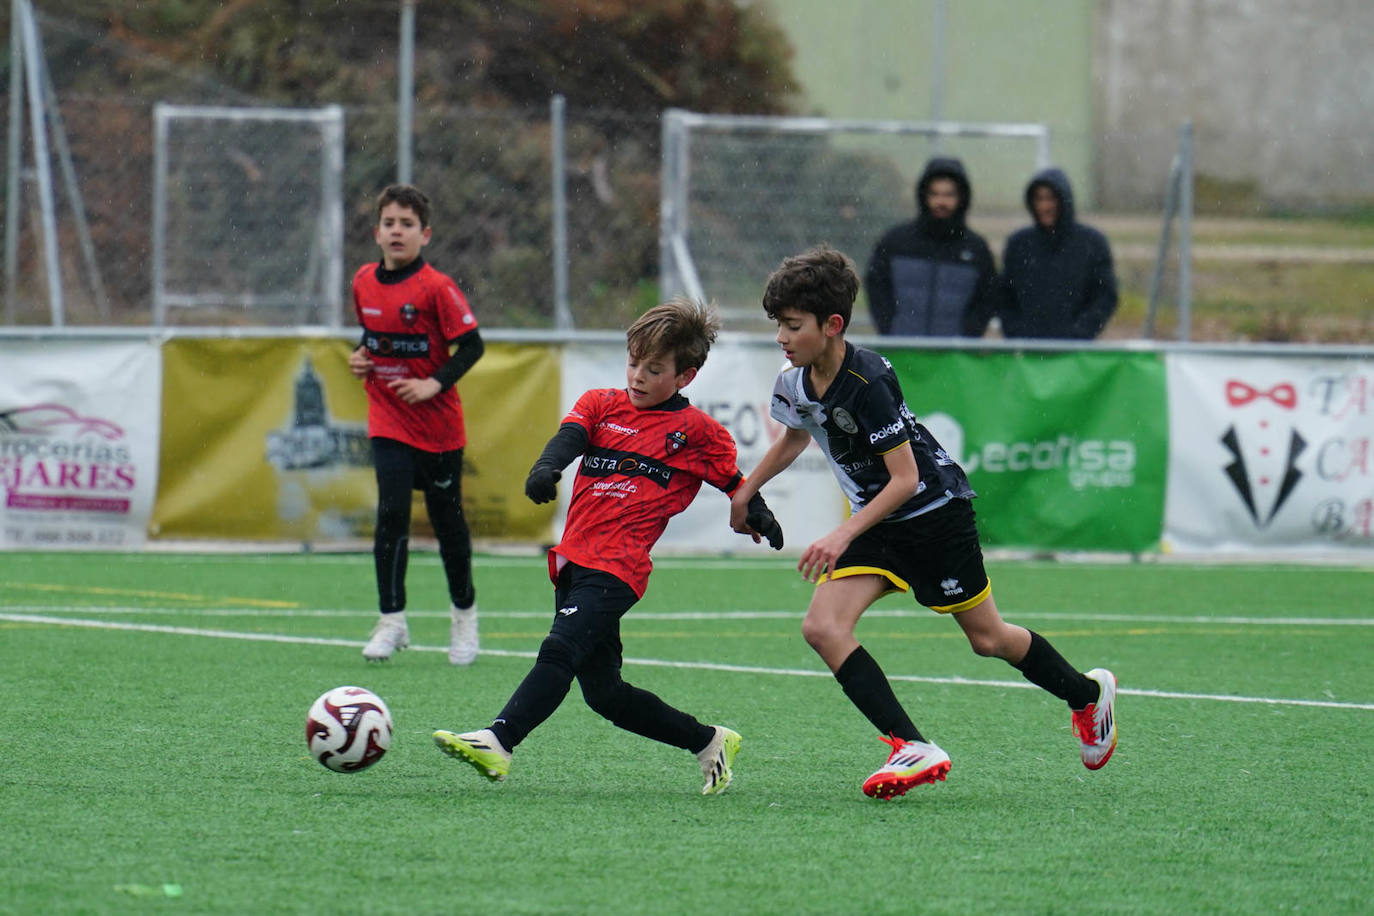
(266, 439)
(511, 407)
(263, 439)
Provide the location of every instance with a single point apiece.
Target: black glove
(542, 484)
(761, 519)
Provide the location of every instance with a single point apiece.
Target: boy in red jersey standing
(412, 317)
(644, 454)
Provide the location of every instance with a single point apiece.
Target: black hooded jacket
(933, 277)
(1057, 283)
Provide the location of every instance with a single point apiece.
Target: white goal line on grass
(654, 662)
(287, 612)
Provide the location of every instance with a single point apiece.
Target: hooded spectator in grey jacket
(1057, 273)
(933, 276)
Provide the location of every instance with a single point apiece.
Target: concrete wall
(1281, 93)
(1004, 60)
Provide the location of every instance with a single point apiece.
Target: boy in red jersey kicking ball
(911, 529)
(411, 316)
(644, 454)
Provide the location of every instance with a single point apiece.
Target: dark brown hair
(405, 195)
(821, 281)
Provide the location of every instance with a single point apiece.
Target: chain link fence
(489, 175)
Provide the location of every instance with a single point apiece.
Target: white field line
(701, 615)
(653, 662)
(1358, 561)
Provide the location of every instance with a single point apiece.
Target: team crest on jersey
(676, 441)
(409, 314)
(844, 421)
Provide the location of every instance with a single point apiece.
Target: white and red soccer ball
(348, 729)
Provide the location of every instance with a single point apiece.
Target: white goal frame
(678, 274)
(323, 264)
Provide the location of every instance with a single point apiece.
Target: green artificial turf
(144, 749)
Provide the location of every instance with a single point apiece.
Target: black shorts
(935, 556)
(589, 604)
(401, 465)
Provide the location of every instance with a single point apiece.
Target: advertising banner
(78, 443)
(511, 408)
(263, 439)
(735, 387)
(1270, 454)
(1066, 450)
(266, 439)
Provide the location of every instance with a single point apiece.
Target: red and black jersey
(410, 317)
(641, 468)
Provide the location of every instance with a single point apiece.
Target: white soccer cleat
(1095, 724)
(911, 763)
(389, 636)
(462, 635)
(716, 759)
(481, 749)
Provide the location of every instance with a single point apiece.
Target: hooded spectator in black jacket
(933, 276)
(1057, 273)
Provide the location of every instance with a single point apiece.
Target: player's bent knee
(604, 699)
(558, 652)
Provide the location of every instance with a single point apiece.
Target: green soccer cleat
(716, 759)
(479, 748)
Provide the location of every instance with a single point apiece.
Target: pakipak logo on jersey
(676, 441)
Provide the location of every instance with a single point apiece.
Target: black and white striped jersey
(861, 417)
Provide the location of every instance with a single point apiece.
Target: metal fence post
(562, 316)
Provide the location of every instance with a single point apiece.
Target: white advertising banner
(79, 435)
(735, 387)
(1270, 455)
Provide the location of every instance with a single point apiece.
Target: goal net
(248, 215)
(740, 193)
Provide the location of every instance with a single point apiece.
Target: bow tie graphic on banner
(1238, 394)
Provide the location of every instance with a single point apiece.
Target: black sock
(867, 688)
(539, 694)
(1046, 668)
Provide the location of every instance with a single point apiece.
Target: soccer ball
(348, 729)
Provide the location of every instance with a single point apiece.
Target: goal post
(248, 214)
(741, 192)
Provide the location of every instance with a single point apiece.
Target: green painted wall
(1004, 61)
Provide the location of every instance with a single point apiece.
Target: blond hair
(682, 328)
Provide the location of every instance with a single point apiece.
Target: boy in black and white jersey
(911, 527)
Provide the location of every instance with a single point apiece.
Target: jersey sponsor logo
(397, 346)
(951, 587)
(675, 441)
(409, 314)
(567, 611)
(891, 429)
(610, 462)
(616, 427)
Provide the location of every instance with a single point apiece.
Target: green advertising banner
(1068, 451)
